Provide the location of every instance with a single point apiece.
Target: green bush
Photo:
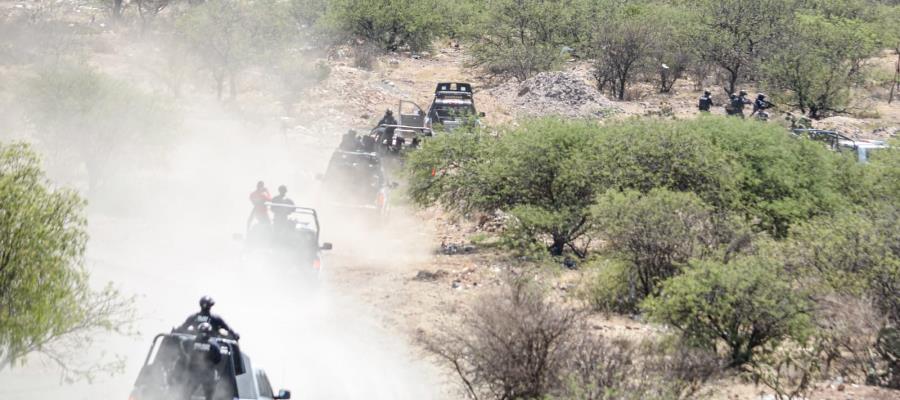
(745, 305)
(754, 170)
(546, 173)
(389, 24)
(610, 288)
(819, 61)
(735, 35)
(852, 254)
(536, 171)
(680, 156)
(621, 46)
(883, 185)
(447, 170)
(521, 37)
(657, 233)
(48, 307)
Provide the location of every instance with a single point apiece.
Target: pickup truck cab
(163, 375)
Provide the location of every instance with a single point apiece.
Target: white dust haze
(174, 243)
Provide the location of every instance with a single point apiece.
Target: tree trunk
(622, 89)
(118, 8)
(144, 22)
(896, 82)
(739, 356)
(732, 79)
(814, 112)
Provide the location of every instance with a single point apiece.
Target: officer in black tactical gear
(705, 101)
(216, 322)
(203, 357)
(760, 105)
(388, 118)
(738, 102)
(349, 142)
(282, 207)
(386, 134)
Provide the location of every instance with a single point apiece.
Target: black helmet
(388, 112)
(207, 302)
(282, 189)
(706, 92)
(761, 96)
(204, 329)
(743, 92)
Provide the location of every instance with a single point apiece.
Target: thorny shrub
(517, 344)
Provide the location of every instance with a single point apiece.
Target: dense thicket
(734, 232)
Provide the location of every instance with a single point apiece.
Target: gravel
(555, 93)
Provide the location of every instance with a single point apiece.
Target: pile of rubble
(555, 93)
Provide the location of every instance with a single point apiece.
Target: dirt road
(321, 340)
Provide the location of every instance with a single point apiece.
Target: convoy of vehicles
(355, 182)
(453, 106)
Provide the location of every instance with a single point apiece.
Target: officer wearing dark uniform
(760, 104)
(738, 102)
(387, 132)
(203, 358)
(349, 142)
(216, 322)
(388, 118)
(705, 101)
(281, 214)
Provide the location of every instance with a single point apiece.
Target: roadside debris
(455, 248)
(428, 276)
(555, 93)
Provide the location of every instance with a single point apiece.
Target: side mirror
(481, 114)
(394, 185)
(326, 246)
(283, 394)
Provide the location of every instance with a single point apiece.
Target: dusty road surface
(175, 244)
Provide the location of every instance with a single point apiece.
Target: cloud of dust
(174, 244)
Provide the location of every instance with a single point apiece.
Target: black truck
(163, 375)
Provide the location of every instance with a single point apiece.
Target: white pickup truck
(838, 142)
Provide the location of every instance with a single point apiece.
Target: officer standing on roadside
(705, 102)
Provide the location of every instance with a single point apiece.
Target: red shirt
(259, 198)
